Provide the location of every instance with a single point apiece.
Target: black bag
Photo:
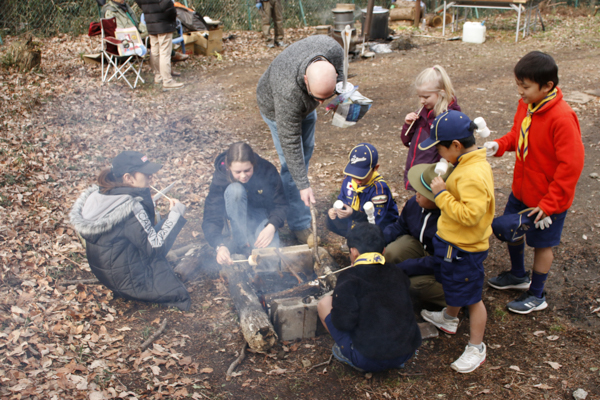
(191, 21)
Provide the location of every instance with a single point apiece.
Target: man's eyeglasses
(319, 98)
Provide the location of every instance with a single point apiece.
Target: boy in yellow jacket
(466, 201)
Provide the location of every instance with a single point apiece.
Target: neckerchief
(523, 146)
(369, 258)
(359, 189)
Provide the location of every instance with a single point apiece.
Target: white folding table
(516, 5)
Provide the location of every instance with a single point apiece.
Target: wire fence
(48, 18)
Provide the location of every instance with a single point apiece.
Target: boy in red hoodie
(549, 160)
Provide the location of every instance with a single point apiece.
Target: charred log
(254, 322)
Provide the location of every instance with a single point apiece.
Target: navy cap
(133, 161)
(362, 159)
(512, 227)
(450, 125)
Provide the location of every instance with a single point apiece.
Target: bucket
(323, 29)
(473, 32)
(341, 18)
(379, 22)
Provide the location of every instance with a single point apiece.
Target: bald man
(301, 78)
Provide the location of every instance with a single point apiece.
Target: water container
(379, 22)
(473, 32)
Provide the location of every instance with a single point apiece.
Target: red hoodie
(549, 174)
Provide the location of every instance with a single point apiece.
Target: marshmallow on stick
(338, 205)
(482, 128)
(370, 210)
(441, 167)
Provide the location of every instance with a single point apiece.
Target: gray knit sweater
(282, 96)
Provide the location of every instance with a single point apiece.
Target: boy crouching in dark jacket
(370, 315)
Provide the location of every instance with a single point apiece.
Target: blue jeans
(246, 222)
(298, 215)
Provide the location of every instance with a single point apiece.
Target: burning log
(254, 322)
(326, 267)
(195, 261)
(308, 289)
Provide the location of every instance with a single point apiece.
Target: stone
(580, 394)
(428, 330)
(294, 319)
(594, 175)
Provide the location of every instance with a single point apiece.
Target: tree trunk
(254, 322)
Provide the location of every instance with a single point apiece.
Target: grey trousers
(272, 9)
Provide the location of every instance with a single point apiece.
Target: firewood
(307, 289)
(326, 267)
(254, 322)
(236, 362)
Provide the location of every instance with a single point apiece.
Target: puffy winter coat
(124, 250)
(417, 134)
(160, 15)
(265, 190)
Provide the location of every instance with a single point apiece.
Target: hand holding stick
(411, 125)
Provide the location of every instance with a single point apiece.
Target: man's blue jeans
(246, 222)
(298, 215)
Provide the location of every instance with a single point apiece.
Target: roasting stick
(418, 112)
(334, 272)
(252, 260)
(167, 197)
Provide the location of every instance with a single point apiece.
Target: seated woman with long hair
(246, 190)
(125, 250)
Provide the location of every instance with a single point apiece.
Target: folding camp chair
(119, 63)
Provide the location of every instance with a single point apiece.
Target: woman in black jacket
(247, 190)
(125, 250)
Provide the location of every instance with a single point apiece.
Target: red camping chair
(121, 64)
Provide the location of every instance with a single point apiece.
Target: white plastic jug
(473, 32)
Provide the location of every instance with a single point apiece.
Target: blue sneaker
(506, 280)
(337, 353)
(527, 303)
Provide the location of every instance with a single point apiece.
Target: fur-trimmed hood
(94, 213)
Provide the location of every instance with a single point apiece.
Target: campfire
(276, 297)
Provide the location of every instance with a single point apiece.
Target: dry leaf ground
(59, 127)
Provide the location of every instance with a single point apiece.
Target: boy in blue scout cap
(370, 315)
(362, 184)
(466, 201)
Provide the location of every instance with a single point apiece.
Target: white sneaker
(470, 359)
(437, 318)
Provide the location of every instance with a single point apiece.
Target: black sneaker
(506, 280)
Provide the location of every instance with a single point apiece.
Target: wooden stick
(236, 362)
(286, 264)
(321, 364)
(154, 336)
(83, 281)
(418, 112)
(334, 272)
(313, 214)
(167, 197)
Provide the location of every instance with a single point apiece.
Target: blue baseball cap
(450, 125)
(512, 227)
(361, 160)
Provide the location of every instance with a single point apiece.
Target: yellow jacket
(468, 203)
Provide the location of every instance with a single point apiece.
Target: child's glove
(491, 148)
(544, 223)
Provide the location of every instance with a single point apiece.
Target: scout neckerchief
(524, 135)
(359, 189)
(369, 258)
